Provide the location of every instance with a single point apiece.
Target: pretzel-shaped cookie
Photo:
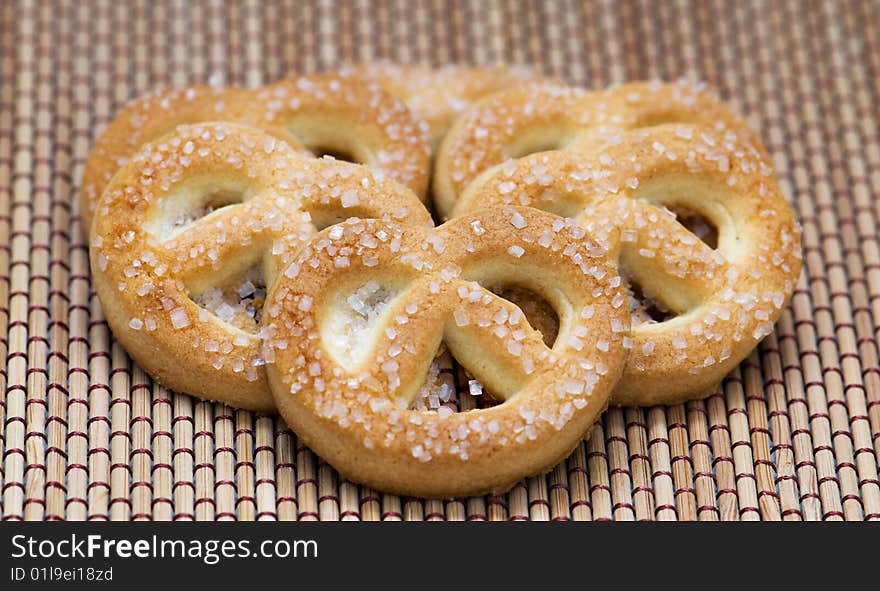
(354, 322)
(322, 112)
(203, 213)
(439, 95)
(542, 117)
(726, 299)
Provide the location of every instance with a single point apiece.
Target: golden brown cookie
(724, 299)
(192, 230)
(353, 323)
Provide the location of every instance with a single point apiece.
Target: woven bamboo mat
(793, 434)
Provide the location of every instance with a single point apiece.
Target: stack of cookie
(273, 248)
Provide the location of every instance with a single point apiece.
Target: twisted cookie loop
(323, 111)
(335, 113)
(344, 370)
(542, 117)
(157, 247)
(727, 299)
(439, 95)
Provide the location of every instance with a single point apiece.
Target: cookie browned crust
(190, 215)
(725, 299)
(344, 371)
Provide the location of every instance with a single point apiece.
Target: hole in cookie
(439, 388)
(661, 117)
(537, 148)
(352, 318)
(328, 135)
(448, 388)
(208, 204)
(238, 302)
(538, 140)
(182, 209)
(472, 394)
(320, 152)
(538, 311)
(644, 309)
(699, 225)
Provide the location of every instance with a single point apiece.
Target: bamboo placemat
(793, 433)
